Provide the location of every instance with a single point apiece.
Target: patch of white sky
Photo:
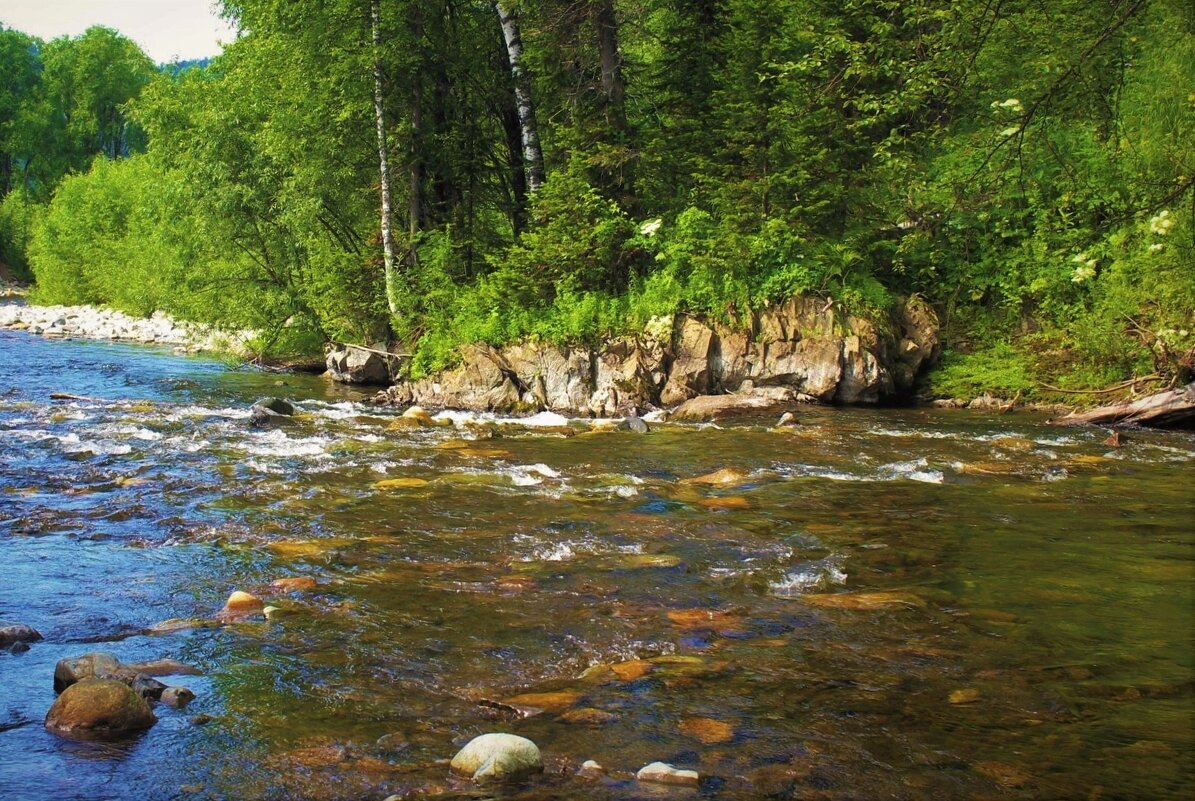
(167, 30)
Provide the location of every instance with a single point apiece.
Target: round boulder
(498, 757)
(101, 708)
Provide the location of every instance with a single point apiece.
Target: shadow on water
(883, 603)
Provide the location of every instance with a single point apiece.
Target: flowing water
(873, 604)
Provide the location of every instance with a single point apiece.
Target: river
(872, 604)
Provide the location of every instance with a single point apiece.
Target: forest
(421, 174)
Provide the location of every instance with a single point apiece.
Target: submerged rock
(704, 408)
(294, 584)
(663, 773)
(177, 697)
(498, 757)
(164, 667)
(17, 633)
(707, 730)
(104, 708)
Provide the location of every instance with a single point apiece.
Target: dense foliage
(1029, 168)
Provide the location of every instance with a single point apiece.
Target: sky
(165, 29)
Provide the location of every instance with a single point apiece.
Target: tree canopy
(570, 169)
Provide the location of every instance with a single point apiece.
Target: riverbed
(871, 604)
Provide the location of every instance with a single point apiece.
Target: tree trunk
(416, 202)
(613, 84)
(533, 156)
(379, 111)
(1173, 408)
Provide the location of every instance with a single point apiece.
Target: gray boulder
(498, 757)
(355, 365)
(276, 405)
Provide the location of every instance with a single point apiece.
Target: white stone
(495, 757)
(663, 773)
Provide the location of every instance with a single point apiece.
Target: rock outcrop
(803, 349)
(351, 364)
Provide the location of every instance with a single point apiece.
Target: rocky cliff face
(805, 346)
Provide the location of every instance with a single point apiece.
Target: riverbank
(622, 376)
(90, 322)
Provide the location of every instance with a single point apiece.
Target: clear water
(798, 631)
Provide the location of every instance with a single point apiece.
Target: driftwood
(1173, 408)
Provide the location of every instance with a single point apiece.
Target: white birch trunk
(533, 156)
(383, 160)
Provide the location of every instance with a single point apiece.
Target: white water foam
(814, 576)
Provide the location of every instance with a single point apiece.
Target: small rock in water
(663, 773)
(419, 415)
(103, 708)
(74, 669)
(18, 647)
(147, 687)
(177, 697)
(1114, 440)
(719, 478)
(589, 716)
(632, 670)
(787, 419)
(498, 757)
(591, 770)
(276, 405)
(548, 702)
(965, 696)
(294, 584)
(636, 424)
(707, 730)
(240, 605)
(164, 667)
(17, 633)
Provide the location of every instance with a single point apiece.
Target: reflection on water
(900, 604)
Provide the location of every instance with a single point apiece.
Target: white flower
(660, 327)
(1156, 247)
(1161, 223)
(1083, 273)
(1079, 258)
(650, 227)
(1013, 131)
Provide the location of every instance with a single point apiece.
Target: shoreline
(110, 325)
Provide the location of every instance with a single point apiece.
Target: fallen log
(1173, 408)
